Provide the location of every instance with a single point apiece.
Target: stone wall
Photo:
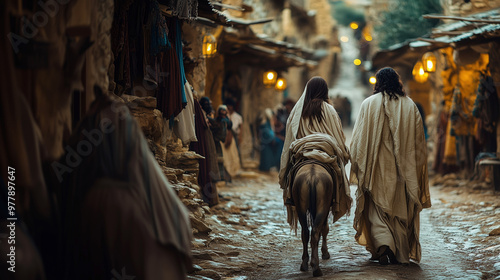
(179, 165)
(460, 8)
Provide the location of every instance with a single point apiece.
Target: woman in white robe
(315, 119)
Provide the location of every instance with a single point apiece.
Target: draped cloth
(325, 142)
(185, 127)
(205, 146)
(119, 188)
(389, 165)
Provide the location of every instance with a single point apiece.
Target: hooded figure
(389, 165)
(314, 131)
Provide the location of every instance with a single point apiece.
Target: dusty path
(251, 240)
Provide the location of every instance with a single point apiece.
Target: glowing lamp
(270, 78)
(357, 61)
(209, 45)
(373, 80)
(368, 38)
(429, 62)
(280, 84)
(354, 25)
(419, 73)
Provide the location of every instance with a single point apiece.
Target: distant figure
(209, 173)
(389, 166)
(422, 114)
(220, 127)
(270, 144)
(282, 117)
(235, 118)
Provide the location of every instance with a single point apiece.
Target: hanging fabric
(185, 127)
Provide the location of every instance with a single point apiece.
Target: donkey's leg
(324, 249)
(315, 236)
(305, 240)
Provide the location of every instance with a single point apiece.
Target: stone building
(466, 48)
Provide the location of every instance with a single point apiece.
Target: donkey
(312, 193)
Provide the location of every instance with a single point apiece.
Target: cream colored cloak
(296, 128)
(389, 165)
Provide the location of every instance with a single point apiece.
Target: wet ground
(251, 239)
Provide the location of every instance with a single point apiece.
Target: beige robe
(296, 128)
(389, 165)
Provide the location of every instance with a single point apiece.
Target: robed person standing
(389, 165)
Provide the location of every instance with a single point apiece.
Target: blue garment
(270, 148)
(178, 49)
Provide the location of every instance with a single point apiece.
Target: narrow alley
(184, 139)
(250, 238)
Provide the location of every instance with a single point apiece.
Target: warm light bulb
(280, 83)
(357, 62)
(270, 76)
(368, 38)
(209, 47)
(421, 71)
(354, 25)
(430, 65)
(373, 80)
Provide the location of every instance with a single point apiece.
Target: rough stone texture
(99, 55)
(495, 232)
(194, 62)
(179, 165)
(460, 8)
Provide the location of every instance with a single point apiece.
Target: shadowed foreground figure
(389, 165)
(312, 173)
(121, 216)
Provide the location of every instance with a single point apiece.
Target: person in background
(220, 129)
(237, 121)
(270, 144)
(389, 166)
(282, 117)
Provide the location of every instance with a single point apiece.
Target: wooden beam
(228, 6)
(462, 19)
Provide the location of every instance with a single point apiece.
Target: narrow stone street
(251, 239)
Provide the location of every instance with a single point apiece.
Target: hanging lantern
(419, 73)
(429, 62)
(270, 78)
(280, 84)
(209, 45)
(373, 80)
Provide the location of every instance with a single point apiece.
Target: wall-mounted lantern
(269, 78)
(429, 62)
(209, 45)
(419, 73)
(280, 84)
(372, 80)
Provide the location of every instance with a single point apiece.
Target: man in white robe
(389, 165)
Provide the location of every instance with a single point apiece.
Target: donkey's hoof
(304, 267)
(325, 256)
(317, 273)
